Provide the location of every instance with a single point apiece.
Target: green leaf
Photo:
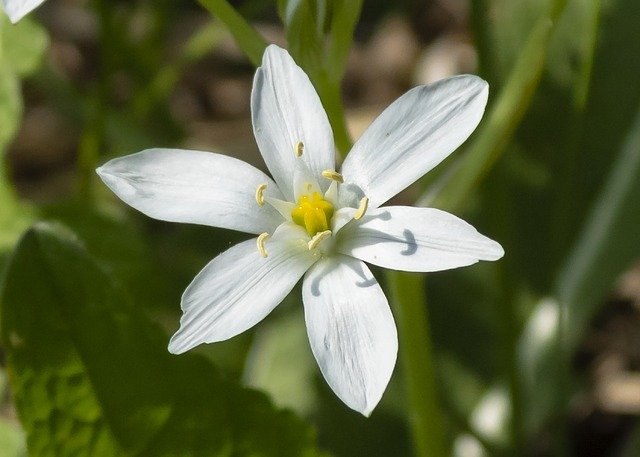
(608, 242)
(14, 218)
(123, 248)
(610, 116)
(92, 375)
(573, 149)
(607, 245)
(280, 362)
(510, 26)
(497, 130)
(611, 106)
(24, 45)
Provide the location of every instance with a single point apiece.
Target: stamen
(318, 238)
(299, 149)
(260, 194)
(333, 176)
(364, 204)
(262, 238)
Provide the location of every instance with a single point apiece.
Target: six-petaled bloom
(314, 221)
(17, 9)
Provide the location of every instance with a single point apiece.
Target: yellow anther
(333, 176)
(262, 238)
(260, 194)
(318, 238)
(313, 213)
(299, 149)
(362, 209)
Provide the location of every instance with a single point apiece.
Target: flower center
(313, 213)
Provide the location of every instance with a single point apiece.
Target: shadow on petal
(367, 280)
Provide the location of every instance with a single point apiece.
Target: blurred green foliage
(552, 173)
(563, 199)
(21, 50)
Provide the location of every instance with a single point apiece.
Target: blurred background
(535, 355)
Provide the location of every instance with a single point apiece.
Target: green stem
(497, 130)
(495, 133)
(249, 40)
(332, 101)
(253, 45)
(510, 336)
(507, 311)
(416, 358)
(341, 37)
(583, 85)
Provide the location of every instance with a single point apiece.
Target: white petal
(285, 110)
(17, 9)
(341, 218)
(237, 289)
(194, 187)
(413, 135)
(304, 182)
(351, 330)
(415, 239)
(332, 193)
(283, 207)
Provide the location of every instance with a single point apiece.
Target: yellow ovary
(313, 213)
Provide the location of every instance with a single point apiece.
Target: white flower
(313, 221)
(17, 9)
